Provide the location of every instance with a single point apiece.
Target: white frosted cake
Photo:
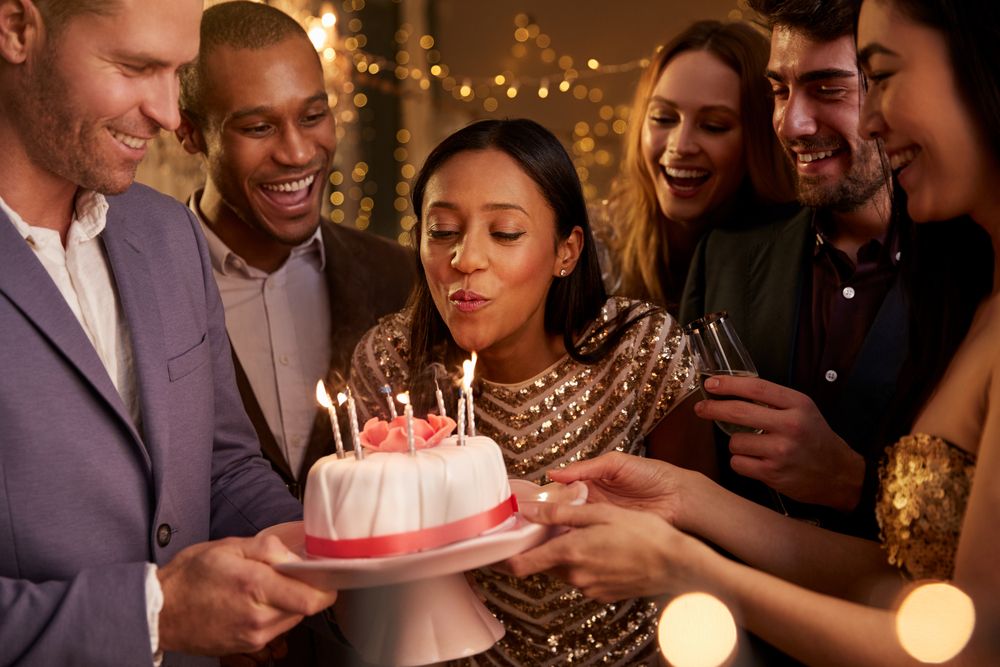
(394, 502)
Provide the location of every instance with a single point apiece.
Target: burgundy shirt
(840, 299)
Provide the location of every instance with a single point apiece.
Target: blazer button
(163, 534)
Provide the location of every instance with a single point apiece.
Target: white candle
(324, 399)
(404, 398)
(440, 398)
(352, 414)
(469, 370)
(387, 390)
(461, 421)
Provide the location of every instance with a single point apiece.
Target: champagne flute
(718, 350)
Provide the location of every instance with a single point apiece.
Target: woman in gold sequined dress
(933, 68)
(564, 373)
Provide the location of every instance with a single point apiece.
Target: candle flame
(468, 371)
(322, 397)
(403, 398)
(341, 398)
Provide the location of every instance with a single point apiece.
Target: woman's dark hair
(574, 301)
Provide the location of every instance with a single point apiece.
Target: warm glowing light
(564, 86)
(469, 371)
(322, 397)
(317, 35)
(934, 622)
(543, 89)
(341, 398)
(697, 630)
(329, 20)
(403, 398)
(465, 90)
(593, 63)
(436, 70)
(427, 42)
(500, 79)
(512, 92)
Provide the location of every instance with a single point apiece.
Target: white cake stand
(418, 609)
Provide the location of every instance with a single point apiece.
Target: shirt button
(283, 359)
(163, 534)
(848, 292)
(831, 376)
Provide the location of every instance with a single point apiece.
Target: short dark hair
(820, 20)
(574, 301)
(57, 13)
(238, 25)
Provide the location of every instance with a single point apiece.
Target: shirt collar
(90, 216)
(225, 261)
(889, 250)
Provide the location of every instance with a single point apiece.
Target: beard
(856, 188)
(56, 134)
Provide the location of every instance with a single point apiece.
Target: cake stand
(418, 609)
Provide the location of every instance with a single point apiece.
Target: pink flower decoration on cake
(381, 436)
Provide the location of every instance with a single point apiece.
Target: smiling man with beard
(823, 301)
(298, 291)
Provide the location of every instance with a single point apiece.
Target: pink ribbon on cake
(414, 540)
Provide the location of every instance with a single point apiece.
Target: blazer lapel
(774, 294)
(26, 283)
(127, 256)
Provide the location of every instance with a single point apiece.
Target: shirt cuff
(154, 605)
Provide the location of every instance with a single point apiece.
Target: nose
(795, 118)
(469, 254)
(872, 122)
(160, 103)
(294, 147)
(681, 140)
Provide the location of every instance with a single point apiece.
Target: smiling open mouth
(901, 159)
(289, 193)
(685, 179)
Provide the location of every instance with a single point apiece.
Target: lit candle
(387, 390)
(324, 399)
(352, 415)
(404, 398)
(440, 398)
(468, 371)
(461, 420)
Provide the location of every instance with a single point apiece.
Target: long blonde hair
(642, 249)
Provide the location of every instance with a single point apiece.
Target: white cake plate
(418, 609)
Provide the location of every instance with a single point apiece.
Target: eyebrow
(263, 109)
(707, 107)
(816, 75)
(497, 206)
(865, 54)
(147, 59)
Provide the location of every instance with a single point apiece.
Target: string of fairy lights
(418, 67)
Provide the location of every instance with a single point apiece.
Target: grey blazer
(85, 498)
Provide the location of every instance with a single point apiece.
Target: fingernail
(710, 383)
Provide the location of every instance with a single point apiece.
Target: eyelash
(441, 234)
(708, 127)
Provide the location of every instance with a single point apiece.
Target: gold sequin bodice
(925, 483)
(569, 412)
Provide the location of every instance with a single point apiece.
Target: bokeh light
(697, 630)
(934, 622)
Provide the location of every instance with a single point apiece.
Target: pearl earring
(562, 273)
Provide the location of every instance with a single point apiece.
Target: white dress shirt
(80, 270)
(279, 325)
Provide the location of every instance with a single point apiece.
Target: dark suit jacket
(83, 493)
(368, 277)
(757, 276)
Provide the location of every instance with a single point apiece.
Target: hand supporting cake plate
(417, 608)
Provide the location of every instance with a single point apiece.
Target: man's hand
(631, 482)
(224, 597)
(797, 454)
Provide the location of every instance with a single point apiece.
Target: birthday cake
(394, 501)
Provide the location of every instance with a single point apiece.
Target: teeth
(685, 173)
(294, 186)
(812, 157)
(902, 158)
(129, 140)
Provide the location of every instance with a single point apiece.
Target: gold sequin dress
(925, 483)
(567, 413)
